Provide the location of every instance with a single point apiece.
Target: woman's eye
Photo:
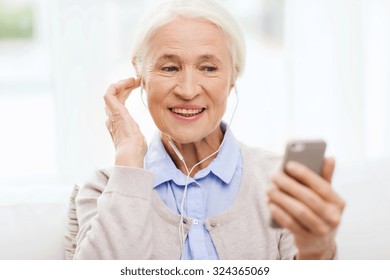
(209, 68)
(170, 69)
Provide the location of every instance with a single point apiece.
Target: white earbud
(142, 93)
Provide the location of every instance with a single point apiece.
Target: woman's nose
(188, 86)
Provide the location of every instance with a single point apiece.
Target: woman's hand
(130, 144)
(305, 204)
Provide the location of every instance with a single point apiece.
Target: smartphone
(308, 152)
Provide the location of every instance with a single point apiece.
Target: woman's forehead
(200, 38)
(199, 57)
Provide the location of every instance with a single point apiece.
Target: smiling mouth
(187, 112)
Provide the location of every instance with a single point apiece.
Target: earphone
(181, 158)
(142, 93)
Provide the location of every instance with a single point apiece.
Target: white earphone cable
(181, 158)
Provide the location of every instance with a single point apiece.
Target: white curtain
(91, 42)
(326, 78)
(321, 71)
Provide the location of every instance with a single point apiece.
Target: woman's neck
(194, 152)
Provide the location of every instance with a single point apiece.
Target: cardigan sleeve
(287, 248)
(112, 212)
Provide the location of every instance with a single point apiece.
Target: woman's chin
(183, 138)
(189, 135)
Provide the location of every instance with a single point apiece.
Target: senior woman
(196, 192)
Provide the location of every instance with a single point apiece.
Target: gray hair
(210, 10)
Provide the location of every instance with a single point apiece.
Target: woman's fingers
(308, 198)
(119, 122)
(118, 93)
(328, 169)
(130, 144)
(300, 214)
(319, 185)
(129, 86)
(320, 207)
(115, 99)
(306, 204)
(285, 220)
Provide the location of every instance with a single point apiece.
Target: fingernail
(292, 166)
(272, 207)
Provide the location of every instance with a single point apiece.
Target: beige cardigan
(118, 215)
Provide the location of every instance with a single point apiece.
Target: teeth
(186, 112)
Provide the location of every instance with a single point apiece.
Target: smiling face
(188, 77)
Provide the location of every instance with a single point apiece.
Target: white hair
(210, 10)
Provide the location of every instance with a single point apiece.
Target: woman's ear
(136, 67)
(233, 85)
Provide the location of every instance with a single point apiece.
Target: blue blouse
(211, 191)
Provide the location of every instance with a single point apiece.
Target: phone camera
(297, 147)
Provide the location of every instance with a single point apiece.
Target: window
(314, 69)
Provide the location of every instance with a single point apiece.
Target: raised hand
(129, 142)
(306, 204)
